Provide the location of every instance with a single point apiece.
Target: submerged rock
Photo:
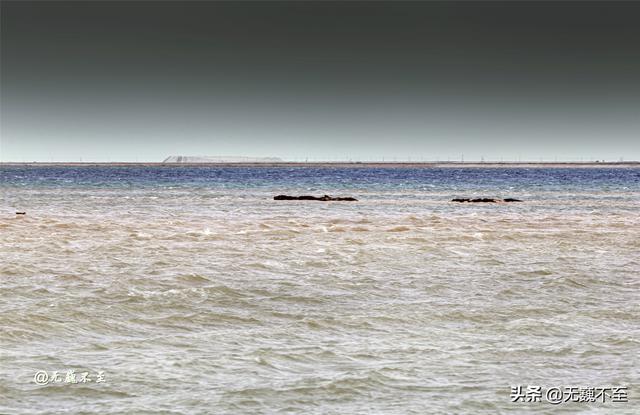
(485, 200)
(325, 198)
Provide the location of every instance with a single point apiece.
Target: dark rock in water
(485, 200)
(325, 198)
(21, 213)
(477, 200)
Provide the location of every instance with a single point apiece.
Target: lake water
(189, 290)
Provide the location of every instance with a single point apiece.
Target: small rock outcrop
(325, 198)
(220, 159)
(485, 200)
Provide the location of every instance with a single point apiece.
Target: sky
(139, 81)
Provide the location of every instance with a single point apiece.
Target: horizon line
(380, 163)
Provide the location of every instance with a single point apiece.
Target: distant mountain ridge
(220, 159)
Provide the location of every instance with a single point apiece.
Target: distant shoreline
(285, 164)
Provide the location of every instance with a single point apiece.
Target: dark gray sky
(125, 81)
